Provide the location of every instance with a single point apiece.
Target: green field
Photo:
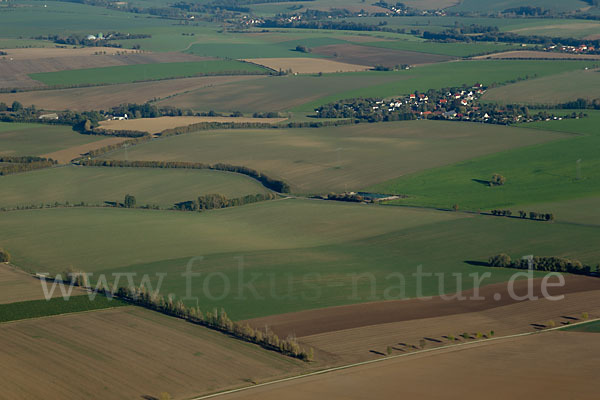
(55, 306)
(550, 89)
(342, 158)
(448, 49)
(21, 139)
(146, 72)
(536, 174)
(592, 327)
(297, 254)
(95, 185)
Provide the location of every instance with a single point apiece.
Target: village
(459, 104)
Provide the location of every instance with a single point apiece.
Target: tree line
(536, 216)
(270, 183)
(549, 264)
(16, 164)
(216, 201)
(215, 320)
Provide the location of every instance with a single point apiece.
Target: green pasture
(495, 5)
(27, 139)
(146, 72)
(287, 255)
(591, 327)
(96, 185)
(541, 173)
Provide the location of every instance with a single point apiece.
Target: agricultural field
(146, 72)
(366, 55)
(309, 92)
(18, 286)
(18, 64)
(536, 174)
(157, 125)
(276, 243)
(106, 97)
(342, 158)
(593, 327)
(538, 55)
(515, 360)
(550, 90)
(16, 311)
(446, 49)
(97, 185)
(307, 65)
(28, 139)
(138, 364)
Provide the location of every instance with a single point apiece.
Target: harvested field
(106, 97)
(355, 345)
(516, 368)
(341, 158)
(307, 65)
(127, 353)
(157, 125)
(538, 55)
(19, 63)
(368, 55)
(313, 322)
(66, 155)
(16, 286)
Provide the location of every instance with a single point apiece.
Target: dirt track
(332, 319)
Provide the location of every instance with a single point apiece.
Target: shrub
(497, 180)
(4, 256)
(501, 260)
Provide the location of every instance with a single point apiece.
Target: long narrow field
(537, 174)
(288, 255)
(157, 125)
(97, 185)
(512, 368)
(128, 353)
(146, 72)
(555, 89)
(106, 97)
(20, 139)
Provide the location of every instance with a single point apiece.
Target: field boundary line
(348, 366)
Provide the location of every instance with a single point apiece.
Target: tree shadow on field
(477, 263)
(481, 181)
(148, 397)
(376, 352)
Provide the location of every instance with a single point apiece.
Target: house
(450, 114)
(464, 102)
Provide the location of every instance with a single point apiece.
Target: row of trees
(524, 215)
(550, 264)
(270, 183)
(23, 164)
(217, 320)
(215, 201)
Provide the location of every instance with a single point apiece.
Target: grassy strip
(592, 326)
(55, 306)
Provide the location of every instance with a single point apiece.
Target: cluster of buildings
(581, 49)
